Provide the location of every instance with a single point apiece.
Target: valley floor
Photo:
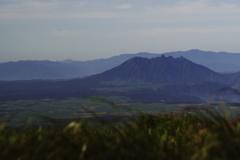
(42, 111)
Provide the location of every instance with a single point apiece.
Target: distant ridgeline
(160, 79)
(221, 62)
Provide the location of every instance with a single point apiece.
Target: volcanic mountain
(157, 70)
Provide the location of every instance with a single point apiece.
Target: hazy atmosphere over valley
(119, 79)
(86, 30)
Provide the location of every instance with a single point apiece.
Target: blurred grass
(184, 135)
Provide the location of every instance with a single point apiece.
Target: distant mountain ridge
(67, 69)
(222, 62)
(27, 70)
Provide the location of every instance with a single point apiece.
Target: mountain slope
(158, 70)
(92, 67)
(218, 61)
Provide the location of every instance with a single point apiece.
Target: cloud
(198, 7)
(81, 4)
(158, 31)
(55, 10)
(124, 6)
(66, 33)
(39, 5)
(26, 9)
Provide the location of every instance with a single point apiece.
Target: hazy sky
(84, 30)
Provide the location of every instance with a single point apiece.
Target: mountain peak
(163, 56)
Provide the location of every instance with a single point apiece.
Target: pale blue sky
(85, 30)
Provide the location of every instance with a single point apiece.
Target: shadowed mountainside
(157, 70)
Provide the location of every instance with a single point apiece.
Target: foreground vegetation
(189, 134)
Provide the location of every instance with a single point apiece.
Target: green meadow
(29, 112)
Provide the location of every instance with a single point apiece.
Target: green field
(17, 113)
